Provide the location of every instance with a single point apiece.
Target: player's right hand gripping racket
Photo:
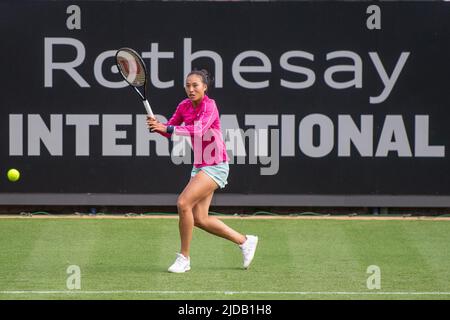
(133, 70)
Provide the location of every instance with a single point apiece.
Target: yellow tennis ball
(13, 175)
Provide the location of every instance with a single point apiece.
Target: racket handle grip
(148, 108)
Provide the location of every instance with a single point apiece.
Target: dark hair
(206, 77)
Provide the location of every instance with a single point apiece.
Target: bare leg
(212, 224)
(199, 187)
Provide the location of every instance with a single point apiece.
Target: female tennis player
(210, 171)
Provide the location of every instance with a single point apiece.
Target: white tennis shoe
(248, 249)
(181, 264)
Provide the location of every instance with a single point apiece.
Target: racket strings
(131, 68)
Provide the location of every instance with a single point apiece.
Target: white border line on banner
(228, 199)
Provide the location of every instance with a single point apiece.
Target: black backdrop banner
(321, 98)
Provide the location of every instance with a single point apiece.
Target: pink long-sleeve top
(202, 124)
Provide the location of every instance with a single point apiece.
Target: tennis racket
(133, 70)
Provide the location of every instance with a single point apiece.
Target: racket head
(131, 67)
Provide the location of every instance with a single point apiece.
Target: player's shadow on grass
(213, 268)
(158, 269)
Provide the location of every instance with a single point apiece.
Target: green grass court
(127, 258)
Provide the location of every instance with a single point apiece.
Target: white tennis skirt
(218, 172)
